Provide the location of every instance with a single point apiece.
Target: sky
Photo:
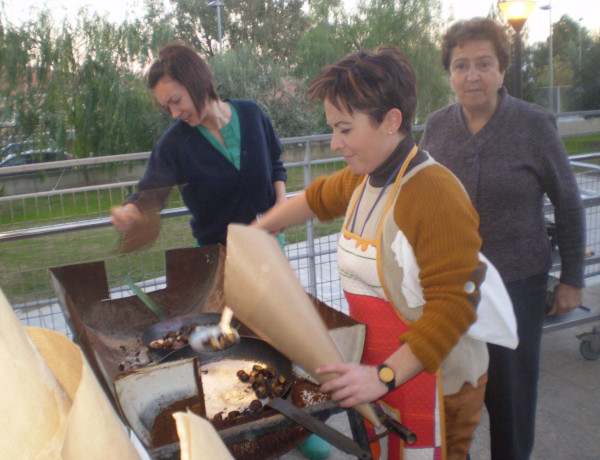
(538, 24)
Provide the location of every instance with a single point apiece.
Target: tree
(242, 73)
(273, 27)
(76, 86)
(324, 42)
(578, 78)
(157, 25)
(410, 25)
(575, 50)
(15, 46)
(196, 24)
(588, 97)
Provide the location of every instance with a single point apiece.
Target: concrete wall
(79, 176)
(578, 125)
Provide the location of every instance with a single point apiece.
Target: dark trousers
(511, 392)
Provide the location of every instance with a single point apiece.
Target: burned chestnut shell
(255, 405)
(243, 376)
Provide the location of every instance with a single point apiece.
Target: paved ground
(568, 415)
(567, 423)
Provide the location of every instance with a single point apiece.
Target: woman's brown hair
(182, 64)
(372, 82)
(476, 29)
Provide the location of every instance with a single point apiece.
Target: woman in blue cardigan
(224, 155)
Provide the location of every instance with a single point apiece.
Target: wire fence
(58, 214)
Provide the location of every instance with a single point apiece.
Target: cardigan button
(470, 287)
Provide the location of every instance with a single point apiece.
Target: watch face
(386, 374)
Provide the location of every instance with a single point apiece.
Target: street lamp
(548, 8)
(218, 4)
(517, 12)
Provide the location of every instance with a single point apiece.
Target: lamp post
(218, 4)
(579, 33)
(517, 12)
(548, 7)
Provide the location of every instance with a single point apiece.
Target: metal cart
(590, 341)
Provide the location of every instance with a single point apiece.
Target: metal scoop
(215, 338)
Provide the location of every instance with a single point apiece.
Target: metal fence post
(310, 240)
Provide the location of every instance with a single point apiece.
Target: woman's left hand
(567, 298)
(356, 384)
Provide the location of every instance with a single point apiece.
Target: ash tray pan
(142, 394)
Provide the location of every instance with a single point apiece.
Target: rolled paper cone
(198, 439)
(142, 234)
(264, 293)
(34, 406)
(145, 231)
(52, 404)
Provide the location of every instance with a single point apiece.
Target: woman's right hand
(290, 212)
(125, 217)
(355, 383)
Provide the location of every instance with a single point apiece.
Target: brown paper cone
(144, 233)
(265, 294)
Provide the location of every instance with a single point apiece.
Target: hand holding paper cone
(143, 228)
(265, 294)
(139, 224)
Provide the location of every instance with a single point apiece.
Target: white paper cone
(198, 439)
(52, 404)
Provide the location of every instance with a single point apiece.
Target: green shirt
(232, 137)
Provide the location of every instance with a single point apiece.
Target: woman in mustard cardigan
(407, 258)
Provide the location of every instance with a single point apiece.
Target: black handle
(395, 427)
(319, 428)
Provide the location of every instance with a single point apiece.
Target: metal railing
(71, 225)
(37, 231)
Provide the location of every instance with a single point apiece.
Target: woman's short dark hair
(182, 64)
(372, 82)
(476, 29)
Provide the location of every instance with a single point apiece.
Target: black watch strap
(387, 376)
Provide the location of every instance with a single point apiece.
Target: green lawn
(582, 144)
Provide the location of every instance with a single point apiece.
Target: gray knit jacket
(507, 168)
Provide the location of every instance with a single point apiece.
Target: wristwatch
(387, 376)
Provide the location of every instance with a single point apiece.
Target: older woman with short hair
(508, 155)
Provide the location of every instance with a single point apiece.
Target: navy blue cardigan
(214, 191)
